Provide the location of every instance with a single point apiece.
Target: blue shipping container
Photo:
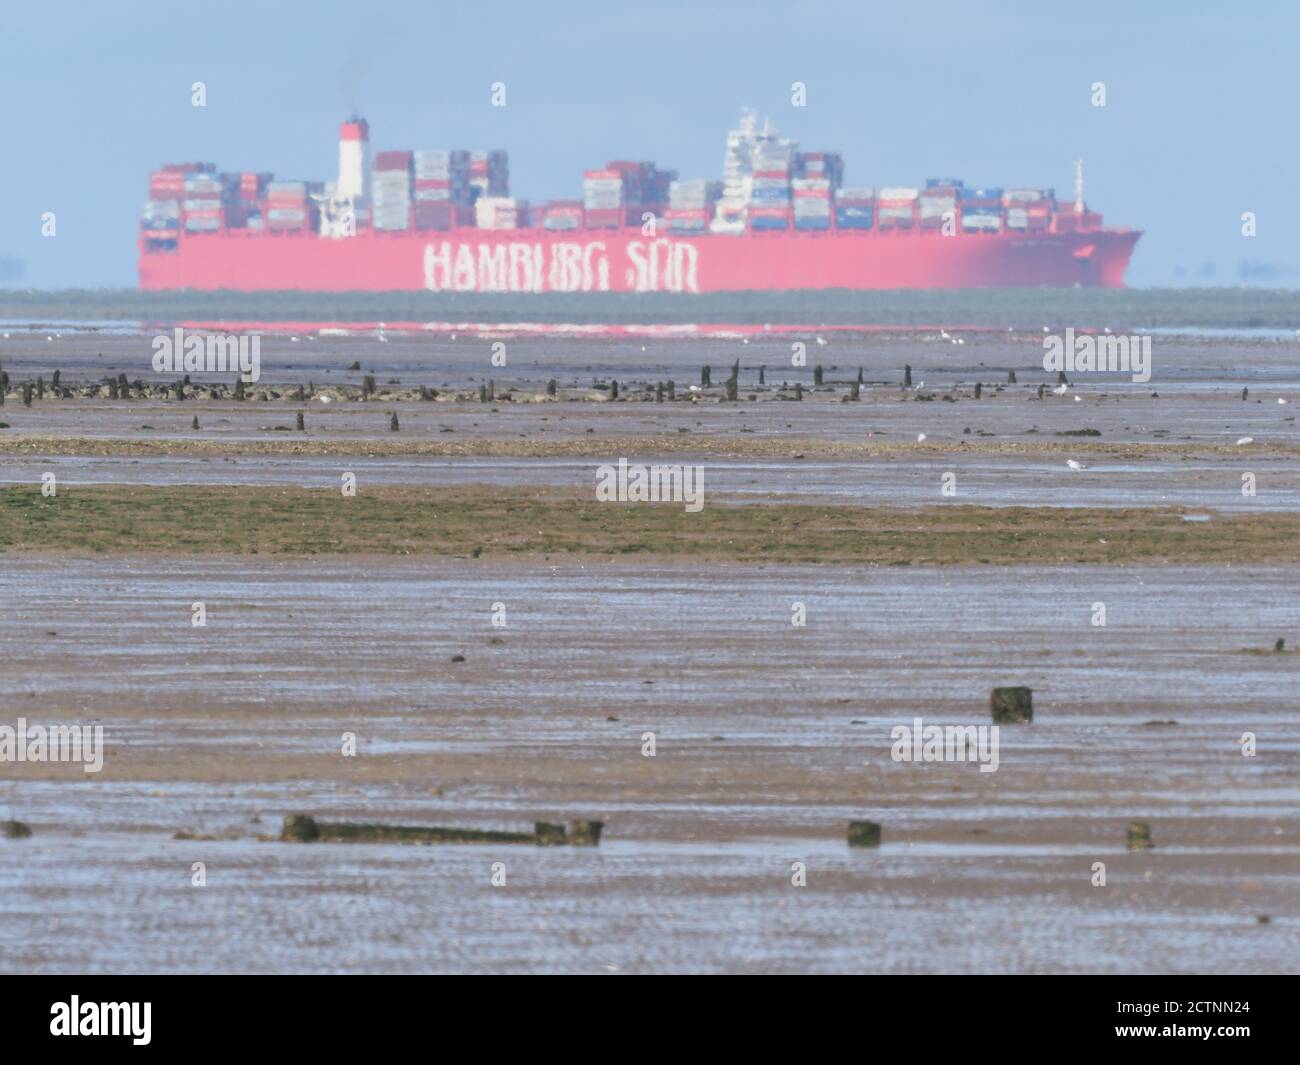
(846, 220)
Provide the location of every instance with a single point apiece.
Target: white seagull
(1075, 465)
(1060, 390)
(1246, 440)
(920, 438)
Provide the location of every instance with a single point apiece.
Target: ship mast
(1078, 186)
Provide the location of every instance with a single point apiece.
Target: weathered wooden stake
(864, 834)
(1012, 706)
(1139, 836)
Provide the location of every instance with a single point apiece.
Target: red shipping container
(394, 160)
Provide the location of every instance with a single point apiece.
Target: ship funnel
(354, 159)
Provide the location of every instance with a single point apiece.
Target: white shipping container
(496, 212)
(899, 193)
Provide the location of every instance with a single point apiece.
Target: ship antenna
(1078, 186)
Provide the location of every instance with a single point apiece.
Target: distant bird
(1108, 329)
(744, 340)
(294, 339)
(1060, 390)
(1078, 399)
(643, 347)
(1280, 399)
(1246, 440)
(49, 338)
(944, 333)
(920, 438)
(1046, 330)
(695, 388)
(821, 342)
(1075, 465)
(961, 340)
(324, 399)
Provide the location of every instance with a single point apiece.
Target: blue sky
(1198, 125)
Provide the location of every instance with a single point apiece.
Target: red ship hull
(472, 260)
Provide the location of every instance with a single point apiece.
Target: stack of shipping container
(1028, 209)
(937, 204)
(162, 214)
(288, 207)
(769, 206)
(896, 208)
(441, 185)
(241, 199)
(602, 198)
(855, 207)
(813, 190)
(390, 191)
(645, 189)
(201, 207)
(690, 208)
(981, 210)
(489, 172)
(562, 216)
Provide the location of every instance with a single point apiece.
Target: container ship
(779, 220)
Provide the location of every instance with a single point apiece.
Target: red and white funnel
(354, 159)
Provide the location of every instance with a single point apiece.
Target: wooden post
(1012, 706)
(1139, 836)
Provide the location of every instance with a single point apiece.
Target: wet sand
(770, 738)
